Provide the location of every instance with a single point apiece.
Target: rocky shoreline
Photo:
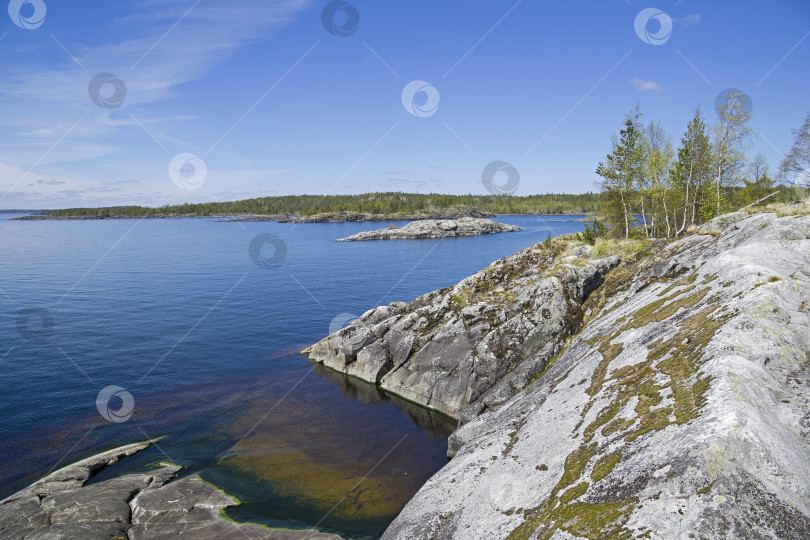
(468, 348)
(664, 393)
(434, 228)
(150, 505)
(655, 391)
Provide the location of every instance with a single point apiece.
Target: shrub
(637, 248)
(638, 233)
(600, 248)
(595, 230)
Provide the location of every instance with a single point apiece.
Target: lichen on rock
(679, 410)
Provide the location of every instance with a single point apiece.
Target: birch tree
(658, 157)
(691, 174)
(795, 166)
(731, 139)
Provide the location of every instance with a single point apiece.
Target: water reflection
(333, 461)
(435, 424)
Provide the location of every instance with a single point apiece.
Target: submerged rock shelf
(134, 506)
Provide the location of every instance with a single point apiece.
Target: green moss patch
(672, 364)
(665, 307)
(604, 465)
(574, 492)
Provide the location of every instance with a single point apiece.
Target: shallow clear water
(178, 314)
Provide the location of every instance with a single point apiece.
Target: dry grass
(800, 208)
(625, 247)
(600, 248)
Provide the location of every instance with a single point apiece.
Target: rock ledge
(133, 507)
(435, 228)
(680, 410)
(466, 349)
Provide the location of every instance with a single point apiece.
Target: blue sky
(270, 102)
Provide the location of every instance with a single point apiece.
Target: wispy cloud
(41, 103)
(646, 86)
(688, 20)
(208, 35)
(49, 182)
(118, 182)
(402, 183)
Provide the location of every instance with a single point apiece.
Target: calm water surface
(178, 314)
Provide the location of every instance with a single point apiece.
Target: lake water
(179, 315)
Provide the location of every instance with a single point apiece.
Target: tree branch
(759, 201)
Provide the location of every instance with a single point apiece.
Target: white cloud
(689, 20)
(646, 86)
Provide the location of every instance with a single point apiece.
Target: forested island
(364, 207)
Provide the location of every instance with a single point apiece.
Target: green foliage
(690, 196)
(670, 191)
(758, 189)
(371, 203)
(595, 230)
(600, 248)
(620, 174)
(795, 166)
(547, 242)
(653, 184)
(638, 233)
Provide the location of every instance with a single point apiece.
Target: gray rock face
(681, 410)
(435, 228)
(134, 506)
(468, 348)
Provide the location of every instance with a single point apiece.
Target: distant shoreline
(377, 206)
(317, 218)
